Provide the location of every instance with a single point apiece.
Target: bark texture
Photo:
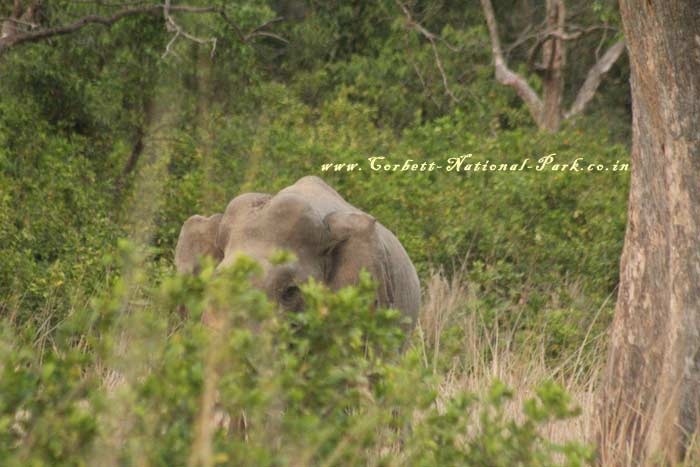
(553, 62)
(650, 396)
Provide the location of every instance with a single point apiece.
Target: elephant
(331, 241)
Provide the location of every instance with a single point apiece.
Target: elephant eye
(290, 293)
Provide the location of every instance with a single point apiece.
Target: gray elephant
(331, 239)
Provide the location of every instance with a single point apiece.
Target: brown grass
(489, 353)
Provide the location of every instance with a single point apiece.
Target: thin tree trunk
(553, 60)
(137, 148)
(650, 396)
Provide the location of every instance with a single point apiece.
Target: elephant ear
(355, 244)
(198, 238)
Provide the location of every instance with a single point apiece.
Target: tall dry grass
(489, 352)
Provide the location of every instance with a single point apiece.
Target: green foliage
(325, 386)
(101, 138)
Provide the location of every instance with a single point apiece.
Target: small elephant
(331, 239)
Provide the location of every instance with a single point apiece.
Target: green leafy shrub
(125, 381)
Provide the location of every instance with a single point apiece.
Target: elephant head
(332, 241)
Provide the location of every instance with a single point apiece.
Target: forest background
(110, 137)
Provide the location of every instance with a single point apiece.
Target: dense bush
(124, 382)
(101, 138)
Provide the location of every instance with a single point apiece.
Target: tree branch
(523, 37)
(110, 4)
(172, 26)
(504, 75)
(19, 22)
(34, 36)
(18, 38)
(412, 24)
(578, 32)
(423, 83)
(595, 76)
(544, 36)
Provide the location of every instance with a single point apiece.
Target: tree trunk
(137, 147)
(548, 112)
(553, 61)
(650, 395)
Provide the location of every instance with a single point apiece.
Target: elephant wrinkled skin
(331, 239)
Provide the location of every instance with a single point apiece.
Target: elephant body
(332, 242)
